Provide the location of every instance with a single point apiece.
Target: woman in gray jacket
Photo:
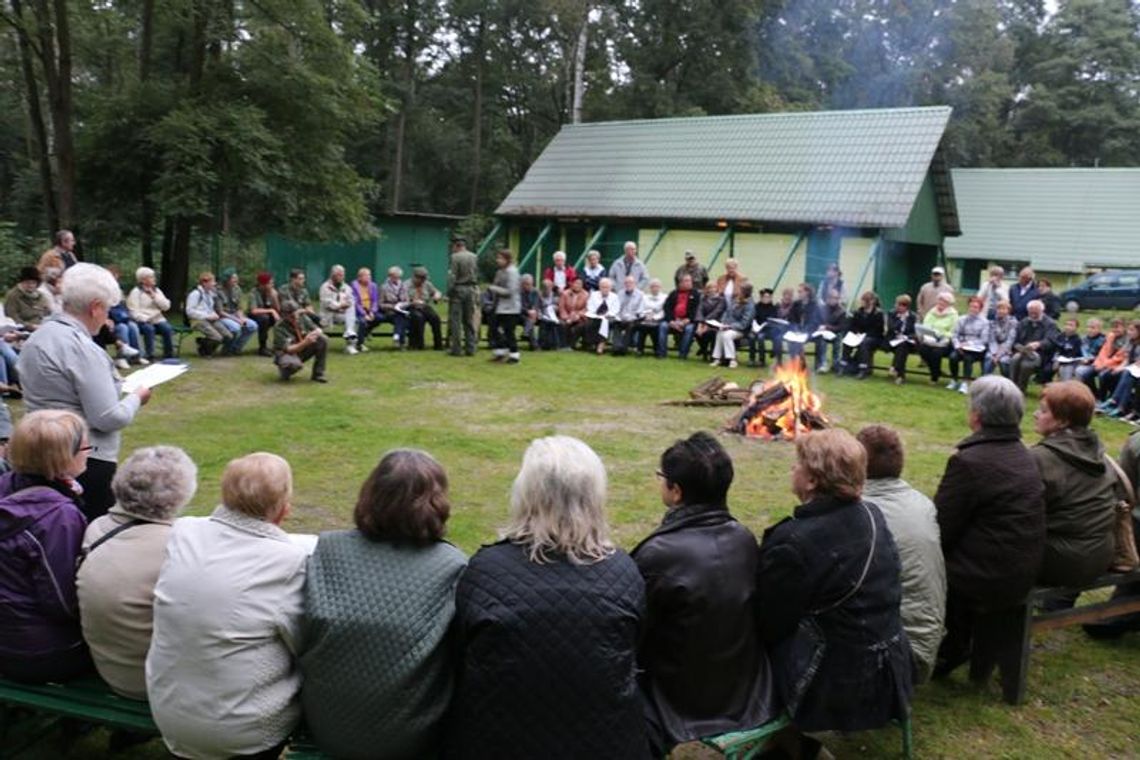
(508, 307)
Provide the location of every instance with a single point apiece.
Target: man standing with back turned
(463, 296)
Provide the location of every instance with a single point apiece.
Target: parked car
(1114, 289)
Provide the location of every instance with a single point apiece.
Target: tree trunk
(146, 41)
(146, 51)
(580, 69)
(61, 106)
(409, 96)
(477, 126)
(36, 117)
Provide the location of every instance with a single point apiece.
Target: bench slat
(89, 700)
(1089, 613)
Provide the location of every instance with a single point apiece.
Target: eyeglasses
(661, 475)
(88, 447)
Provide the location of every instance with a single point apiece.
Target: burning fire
(783, 407)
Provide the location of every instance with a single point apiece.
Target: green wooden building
(785, 194)
(405, 240)
(1065, 223)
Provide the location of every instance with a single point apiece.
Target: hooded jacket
(41, 529)
(1080, 502)
(704, 668)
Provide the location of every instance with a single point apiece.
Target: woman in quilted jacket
(376, 656)
(547, 622)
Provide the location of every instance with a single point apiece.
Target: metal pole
(537, 244)
(720, 246)
(788, 259)
(490, 238)
(871, 254)
(656, 242)
(593, 241)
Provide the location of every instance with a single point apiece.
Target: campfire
(781, 408)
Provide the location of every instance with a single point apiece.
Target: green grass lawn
(477, 417)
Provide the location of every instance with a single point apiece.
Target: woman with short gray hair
(122, 554)
(548, 621)
(62, 368)
(991, 514)
(146, 302)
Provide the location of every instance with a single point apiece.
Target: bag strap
(1125, 481)
(107, 537)
(866, 565)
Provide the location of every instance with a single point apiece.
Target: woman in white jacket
(146, 303)
(220, 672)
(602, 308)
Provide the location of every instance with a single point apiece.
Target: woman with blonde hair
(548, 621)
(828, 595)
(41, 529)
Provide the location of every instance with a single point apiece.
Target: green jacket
(1080, 501)
(284, 335)
(943, 324)
(26, 308)
(463, 271)
(377, 653)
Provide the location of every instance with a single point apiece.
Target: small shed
(1065, 223)
(405, 240)
(785, 194)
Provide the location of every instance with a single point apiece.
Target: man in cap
(338, 306)
(694, 269)
(296, 339)
(928, 293)
(421, 295)
(265, 308)
(463, 297)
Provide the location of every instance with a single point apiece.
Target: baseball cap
(938, 270)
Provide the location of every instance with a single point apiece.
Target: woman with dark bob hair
(828, 588)
(379, 601)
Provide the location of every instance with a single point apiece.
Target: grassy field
(477, 417)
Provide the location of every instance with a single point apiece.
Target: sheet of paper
(854, 339)
(758, 326)
(827, 335)
(1134, 370)
(896, 342)
(155, 374)
(714, 323)
(402, 308)
(973, 347)
(791, 336)
(1068, 359)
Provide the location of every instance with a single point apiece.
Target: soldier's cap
(419, 272)
(690, 255)
(458, 239)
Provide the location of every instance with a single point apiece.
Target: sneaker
(512, 360)
(122, 363)
(963, 387)
(823, 369)
(899, 380)
(893, 372)
(952, 385)
(128, 352)
(715, 363)
(264, 352)
(143, 361)
(363, 348)
(320, 379)
(732, 364)
(351, 350)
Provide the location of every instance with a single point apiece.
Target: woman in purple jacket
(41, 530)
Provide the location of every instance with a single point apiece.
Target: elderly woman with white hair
(393, 305)
(991, 514)
(548, 621)
(121, 557)
(62, 368)
(146, 303)
(220, 673)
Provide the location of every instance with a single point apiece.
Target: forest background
(158, 126)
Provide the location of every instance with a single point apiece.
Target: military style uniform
(463, 296)
(285, 333)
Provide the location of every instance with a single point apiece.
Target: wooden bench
(89, 700)
(747, 744)
(1032, 620)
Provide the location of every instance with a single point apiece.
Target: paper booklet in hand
(714, 323)
(155, 374)
(794, 336)
(827, 335)
(854, 339)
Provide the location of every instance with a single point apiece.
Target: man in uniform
(463, 297)
(296, 339)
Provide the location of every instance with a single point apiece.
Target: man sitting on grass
(296, 339)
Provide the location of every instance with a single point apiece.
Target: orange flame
(785, 419)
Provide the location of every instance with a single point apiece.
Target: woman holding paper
(971, 335)
(938, 325)
(601, 308)
(736, 322)
(900, 336)
(865, 335)
(62, 368)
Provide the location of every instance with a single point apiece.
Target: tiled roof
(1059, 220)
(849, 168)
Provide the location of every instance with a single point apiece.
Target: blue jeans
(8, 357)
(147, 330)
(821, 351)
(989, 364)
(399, 324)
(1122, 395)
(128, 332)
(686, 334)
(242, 331)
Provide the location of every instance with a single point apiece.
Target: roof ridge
(773, 115)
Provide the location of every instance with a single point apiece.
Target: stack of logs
(770, 408)
(715, 392)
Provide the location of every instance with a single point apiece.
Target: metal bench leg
(1013, 682)
(907, 738)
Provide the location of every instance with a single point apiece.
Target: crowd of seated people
(234, 630)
